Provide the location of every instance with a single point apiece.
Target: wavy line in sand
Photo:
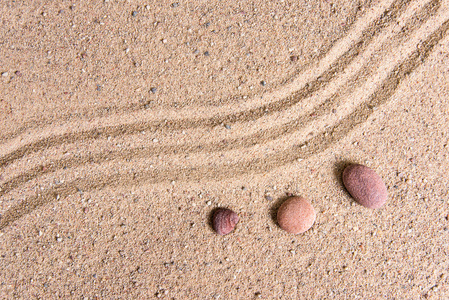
(105, 111)
(223, 145)
(315, 145)
(389, 16)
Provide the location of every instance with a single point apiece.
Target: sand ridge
(329, 135)
(314, 112)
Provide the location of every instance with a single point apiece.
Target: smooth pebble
(365, 186)
(224, 221)
(296, 215)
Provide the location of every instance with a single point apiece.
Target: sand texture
(125, 124)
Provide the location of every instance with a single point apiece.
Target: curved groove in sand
(246, 141)
(270, 134)
(389, 16)
(106, 111)
(316, 144)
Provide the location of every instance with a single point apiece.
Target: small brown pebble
(365, 186)
(296, 215)
(224, 221)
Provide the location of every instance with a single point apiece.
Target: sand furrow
(315, 145)
(322, 115)
(389, 16)
(355, 24)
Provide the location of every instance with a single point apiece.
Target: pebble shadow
(211, 218)
(338, 173)
(274, 208)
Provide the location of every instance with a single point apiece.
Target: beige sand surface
(124, 124)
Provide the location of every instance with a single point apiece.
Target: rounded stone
(365, 186)
(296, 215)
(224, 221)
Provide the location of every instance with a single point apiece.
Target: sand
(124, 124)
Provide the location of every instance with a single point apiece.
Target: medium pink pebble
(296, 215)
(224, 221)
(365, 186)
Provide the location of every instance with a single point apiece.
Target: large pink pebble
(365, 186)
(296, 215)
